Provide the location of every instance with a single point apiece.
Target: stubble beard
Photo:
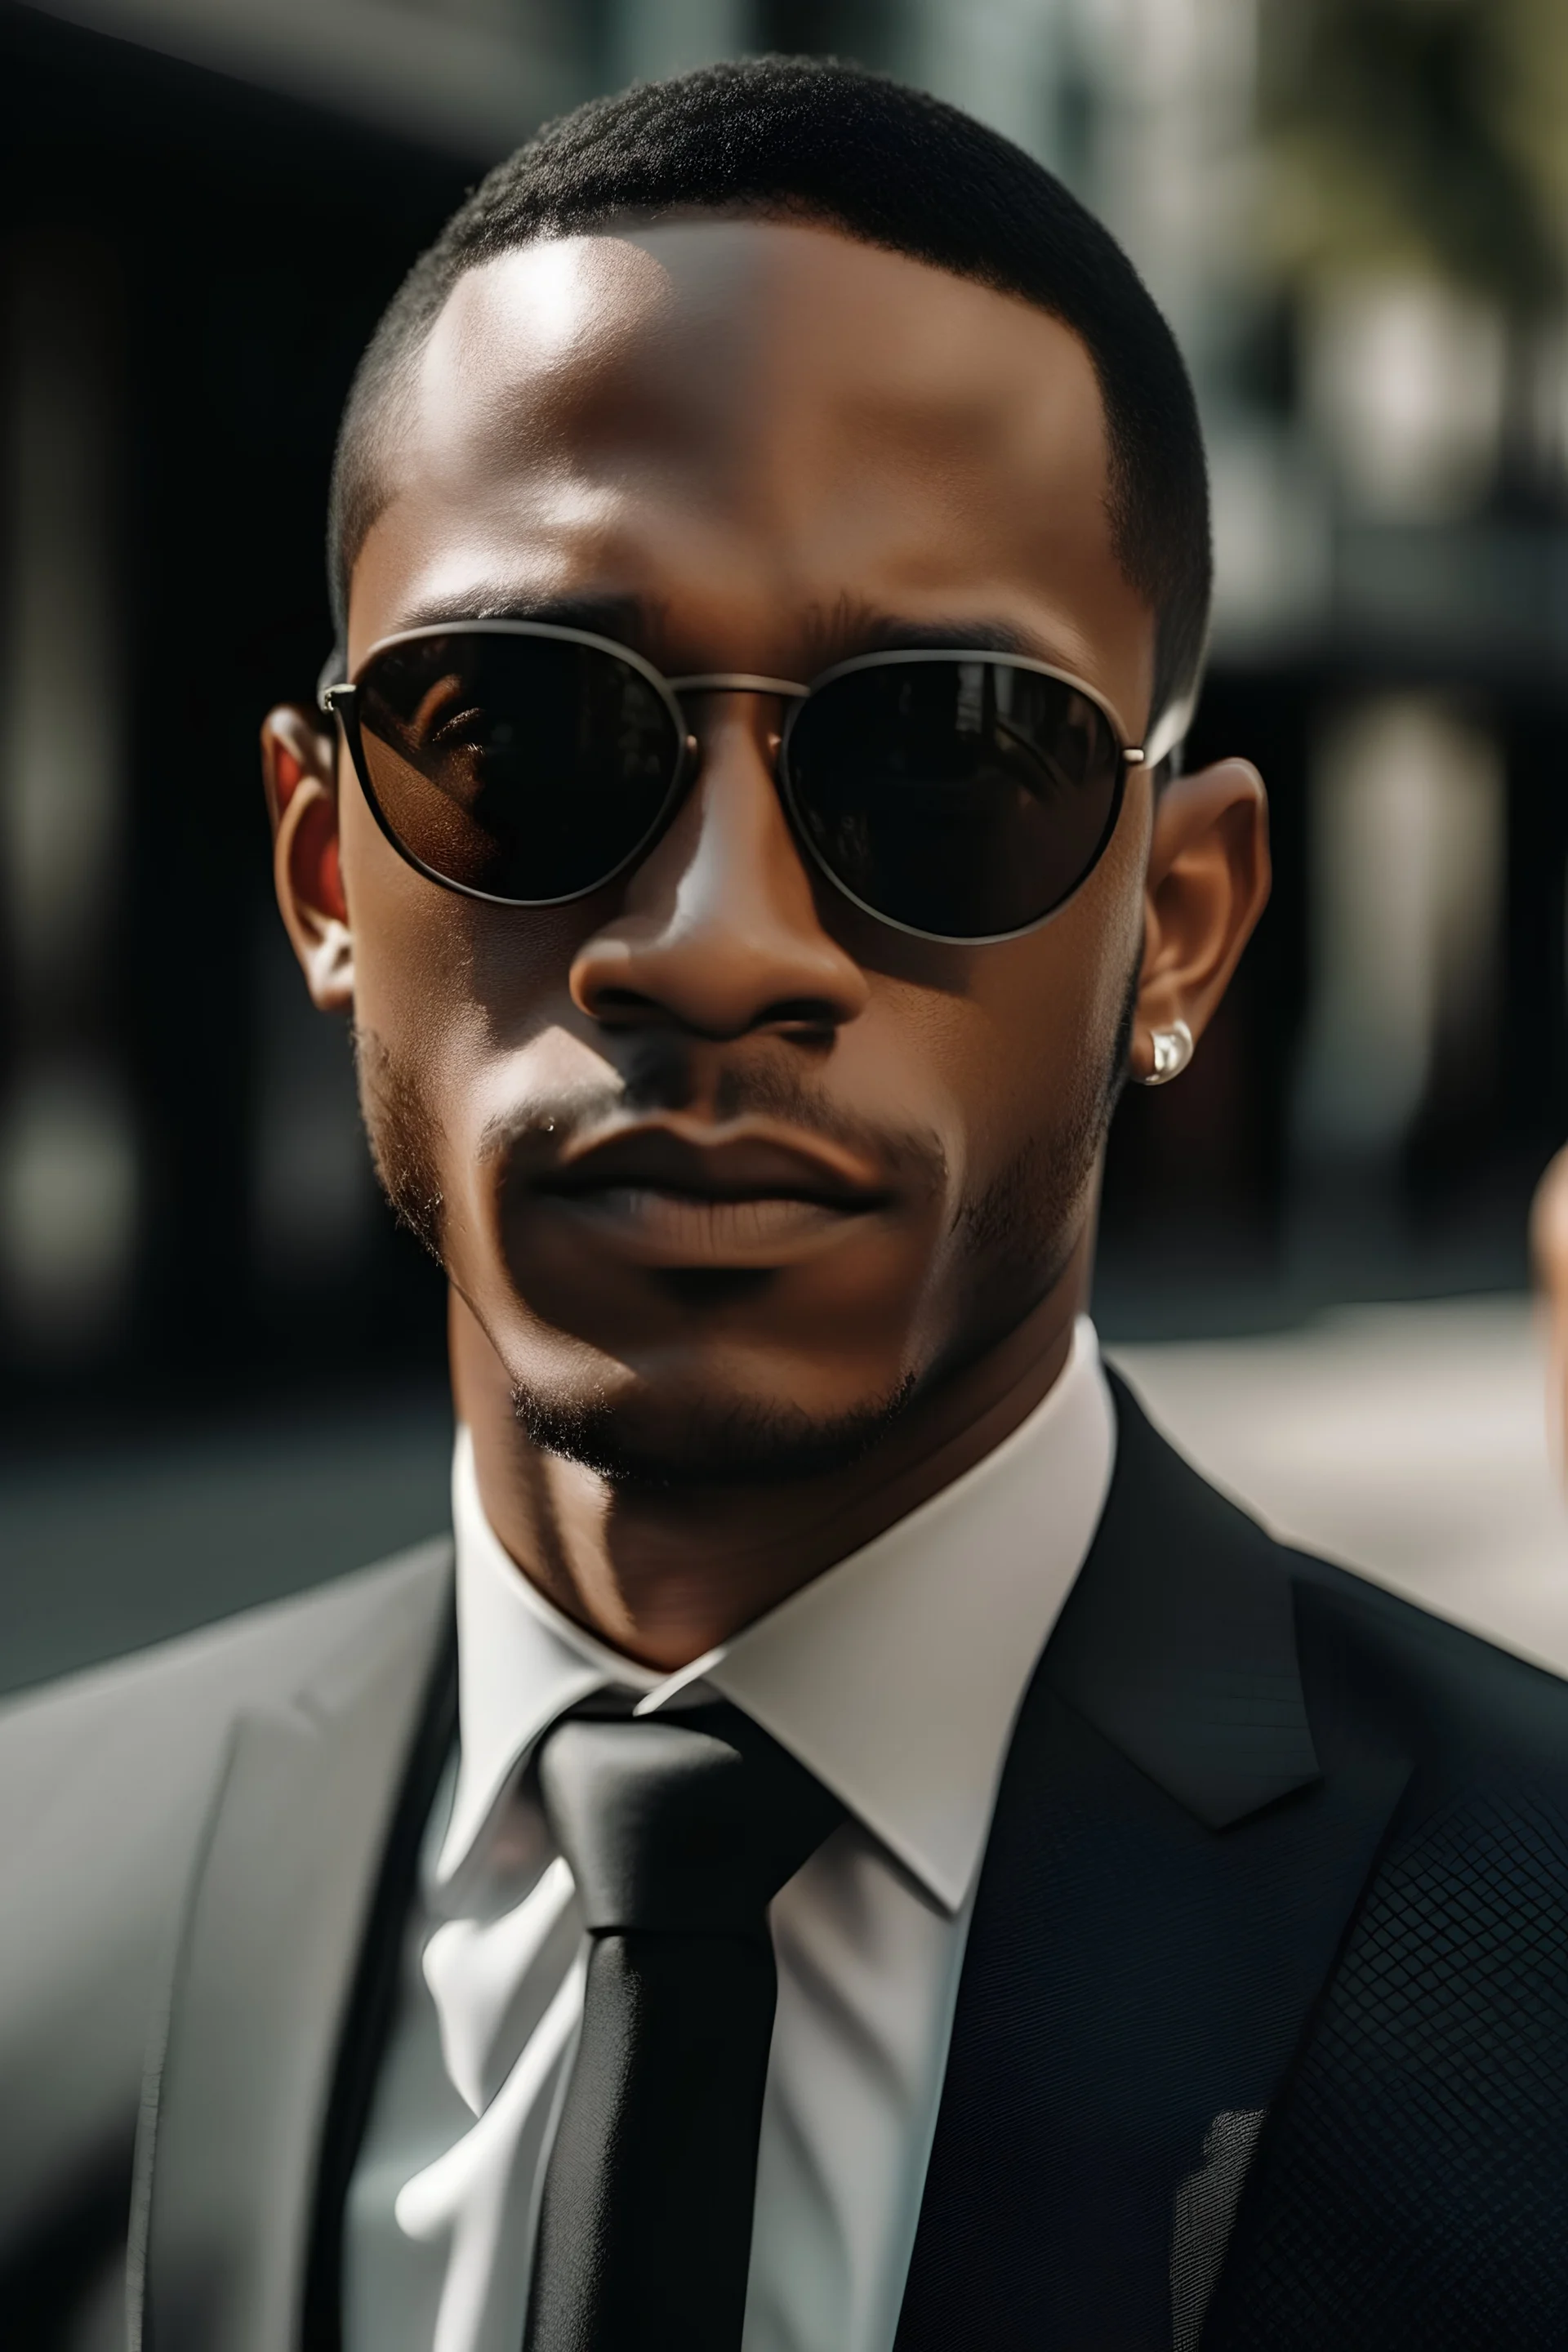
(730, 1443)
(1015, 1240)
(405, 1138)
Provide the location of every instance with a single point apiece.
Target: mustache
(550, 1122)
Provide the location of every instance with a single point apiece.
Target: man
(896, 1859)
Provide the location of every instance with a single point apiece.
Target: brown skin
(769, 437)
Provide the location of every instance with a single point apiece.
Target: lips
(680, 1196)
(749, 1165)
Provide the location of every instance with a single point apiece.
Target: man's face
(726, 1170)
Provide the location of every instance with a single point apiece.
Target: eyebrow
(853, 629)
(627, 620)
(829, 636)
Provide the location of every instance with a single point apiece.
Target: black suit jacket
(1268, 1984)
(1263, 2021)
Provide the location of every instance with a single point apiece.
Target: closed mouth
(744, 1196)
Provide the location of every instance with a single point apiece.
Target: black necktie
(678, 1833)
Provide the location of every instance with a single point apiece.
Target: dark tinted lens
(963, 797)
(527, 768)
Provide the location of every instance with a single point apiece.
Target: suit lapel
(1180, 1837)
(237, 2100)
(1179, 1640)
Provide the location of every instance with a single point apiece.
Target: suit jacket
(1261, 2039)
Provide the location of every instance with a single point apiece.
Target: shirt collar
(894, 1677)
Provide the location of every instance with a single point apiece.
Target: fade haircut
(806, 139)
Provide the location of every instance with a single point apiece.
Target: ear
(1207, 884)
(298, 768)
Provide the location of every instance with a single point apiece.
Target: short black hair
(813, 140)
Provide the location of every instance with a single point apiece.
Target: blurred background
(221, 1370)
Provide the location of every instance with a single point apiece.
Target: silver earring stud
(1173, 1052)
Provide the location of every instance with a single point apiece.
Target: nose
(717, 931)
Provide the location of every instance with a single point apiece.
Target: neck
(664, 1575)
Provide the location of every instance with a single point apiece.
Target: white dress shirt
(896, 1677)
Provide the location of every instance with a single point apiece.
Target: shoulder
(105, 1778)
(1468, 1708)
(1368, 1655)
(147, 1724)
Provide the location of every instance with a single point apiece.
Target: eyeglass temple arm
(1169, 730)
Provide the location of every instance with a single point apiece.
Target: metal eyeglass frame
(340, 701)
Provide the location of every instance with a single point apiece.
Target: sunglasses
(961, 796)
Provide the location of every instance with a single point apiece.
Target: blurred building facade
(206, 203)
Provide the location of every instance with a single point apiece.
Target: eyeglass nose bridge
(738, 681)
(730, 681)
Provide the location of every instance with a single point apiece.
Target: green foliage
(1428, 133)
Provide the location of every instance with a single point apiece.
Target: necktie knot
(686, 1825)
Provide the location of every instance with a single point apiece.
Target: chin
(704, 1435)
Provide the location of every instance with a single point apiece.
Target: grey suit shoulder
(106, 1778)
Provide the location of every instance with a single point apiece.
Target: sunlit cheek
(412, 957)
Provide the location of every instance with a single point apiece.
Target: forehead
(746, 425)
